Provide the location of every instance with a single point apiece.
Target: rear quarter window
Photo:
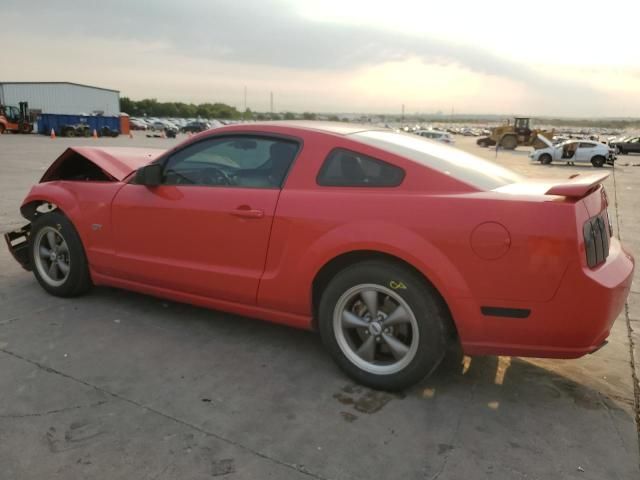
(345, 168)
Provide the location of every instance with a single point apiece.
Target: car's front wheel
(57, 256)
(545, 159)
(383, 324)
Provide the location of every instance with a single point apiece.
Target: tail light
(597, 231)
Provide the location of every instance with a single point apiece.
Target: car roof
(336, 128)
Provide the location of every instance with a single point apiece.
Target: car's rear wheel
(382, 324)
(598, 161)
(545, 159)
(57, 256)
(1, 128)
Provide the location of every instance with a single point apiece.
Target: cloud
(271, 33)
(265, 32)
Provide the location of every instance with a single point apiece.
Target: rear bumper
(18, 244)
(575, 322)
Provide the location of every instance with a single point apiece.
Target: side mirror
(149, 175)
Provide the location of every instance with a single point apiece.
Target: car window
(586, 145)
(464, 166)
(240, 161)
(344, 168)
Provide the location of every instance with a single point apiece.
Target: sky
(552, 58)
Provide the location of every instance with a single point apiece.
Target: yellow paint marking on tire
(397, 285)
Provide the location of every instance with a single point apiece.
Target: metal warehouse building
(61, 97)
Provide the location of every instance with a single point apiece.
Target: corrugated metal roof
(59, 83)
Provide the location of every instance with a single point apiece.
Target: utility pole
(271, 103)
(403, 112)
(245, 98)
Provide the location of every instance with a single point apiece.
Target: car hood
(117, 162)
(576, 186)
(545, 140)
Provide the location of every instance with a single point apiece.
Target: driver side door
(205, 230)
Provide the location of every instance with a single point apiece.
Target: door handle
(246, 212)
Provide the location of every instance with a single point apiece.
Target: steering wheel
(213, 176)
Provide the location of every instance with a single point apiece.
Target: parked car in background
(108, 132)
(626, 145)
(136, 124)
(196, 126)
(438, 135)
(392, 246)
(163, 125)
(571, 151)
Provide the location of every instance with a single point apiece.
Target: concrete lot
(117, 385)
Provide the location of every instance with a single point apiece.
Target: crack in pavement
(632, 359)
(454, 436)
(51, 412)
(292, 466)
(8, 321)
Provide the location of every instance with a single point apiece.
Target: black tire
(425, 352)
(68, 132)
(545, 159)
(509, 142)
(598, 161)
(1, 128)
(78, 280)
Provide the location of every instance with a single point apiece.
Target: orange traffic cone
(53, 134)
(130, 134)
(163, 135)
(95, 133)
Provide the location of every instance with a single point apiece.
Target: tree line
(151, 107)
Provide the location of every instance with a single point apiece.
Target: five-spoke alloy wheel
(57, 256)
(52, 256)
(383, 324)
(376, 329)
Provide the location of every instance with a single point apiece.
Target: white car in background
(571, 151)
(444, 137)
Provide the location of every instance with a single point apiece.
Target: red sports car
(389, 244)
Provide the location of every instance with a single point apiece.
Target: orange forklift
(14, 119)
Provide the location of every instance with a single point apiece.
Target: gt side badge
(96, 226)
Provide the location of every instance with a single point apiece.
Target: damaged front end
(86, 176)
(18, 243)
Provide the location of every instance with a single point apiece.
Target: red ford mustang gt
(390, 245)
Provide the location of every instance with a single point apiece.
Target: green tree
(126, 105)
(309, 116)
(289, 116)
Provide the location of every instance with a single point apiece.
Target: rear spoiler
(578, 185)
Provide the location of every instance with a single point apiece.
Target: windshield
(467, 168)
